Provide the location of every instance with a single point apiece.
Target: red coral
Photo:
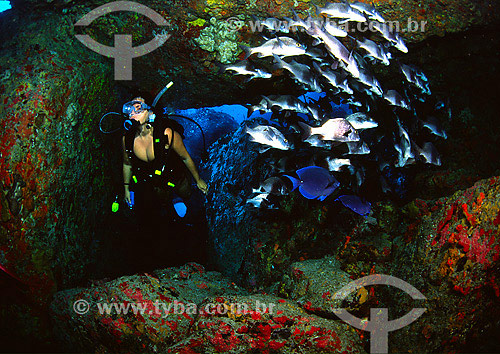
(275, 345)
(497, 219)
(447, 218)
(476, 249)
(281, 320)
(495, 286)
(297, 273)
(470, 217)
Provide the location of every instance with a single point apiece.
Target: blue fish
(356, 204)
(314, 182)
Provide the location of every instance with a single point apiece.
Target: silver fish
(298, 22)
(334, 129)
(395, 99)
(335, 79)
(335, 164)
(360, 121)
(286, 102)
(429, 153)
(400, 44)
(369, 10)
(391, 36)
(357, 148)
(354, 102)
(272, 185)
(283, 46)
(333, 29)
(404, 148)
(314, 110)
(340, 10)
(374, 50)
(435, 127)
(359, 172)
(416, 77)
(279, 103)
(257, 200)
(262, 107)
(273, 24)
(317, 54)
(244, 67)
(300, 72)
(269, 136)
(336, 49)
(369, 80)
(314, 140)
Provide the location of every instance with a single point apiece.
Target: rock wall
(204, 33)
(452, 254)
(448, 249)
(254, 246)
(441, 17)
(55, 167)
(54, 163)
(189, 310)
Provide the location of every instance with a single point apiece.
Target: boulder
(187, 309)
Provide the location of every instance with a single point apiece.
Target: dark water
(152, 237)
(464, 68)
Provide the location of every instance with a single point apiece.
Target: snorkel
(130, 125)
(133, 124)
(129, 108)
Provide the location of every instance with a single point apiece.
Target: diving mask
(134, 107)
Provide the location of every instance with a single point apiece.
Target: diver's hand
(127, 196)
(202, 186)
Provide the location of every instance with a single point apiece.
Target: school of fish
(328, 55)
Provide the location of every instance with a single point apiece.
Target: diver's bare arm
(127, 168)
(180, 149)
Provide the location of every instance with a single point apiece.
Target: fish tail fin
(354, 41)
(317, 67)
(250, 79)
(250, 111)
(247, 50)
(278, 59)
(222, 68)
(268, 101)
(313, 28)
(318, 10)
(316, 41)
(279, 63)
(307, 130)
(295, 181)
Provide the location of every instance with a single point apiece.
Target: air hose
(204, 155)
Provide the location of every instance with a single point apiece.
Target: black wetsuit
(154, 181)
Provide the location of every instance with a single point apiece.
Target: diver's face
(139, 114)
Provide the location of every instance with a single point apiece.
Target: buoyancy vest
(167, 168)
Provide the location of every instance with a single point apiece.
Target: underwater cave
(315, 146)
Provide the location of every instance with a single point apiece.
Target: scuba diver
(155, 158)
